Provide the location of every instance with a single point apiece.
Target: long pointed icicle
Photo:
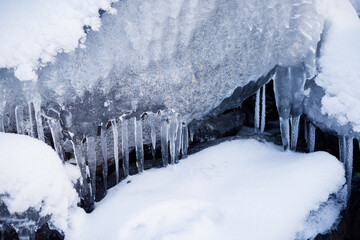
(311, 137)
(116, 147)
(178, 140)
(185, 141)
(349, 163)
(2, 129)
(294, 132)
(285, 133)
(55, 129)
(85, 190)
(92, 164)
(164, 143)
(31, 130)
(139, 145)
(172, 139)
(153, 137)
(263, 109)
(342, 148)
(19, 118)
(38, 118)
(104, 154)
(257, 111)
(125, 146)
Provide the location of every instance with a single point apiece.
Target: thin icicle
(2, 129)
(192, 133)
(172, 139)
(116, 147)
(311, 139)
(164, 143)
(349, 163)
(257, 111)
(31, 130)
(342, 148)
(139, 145)
(125, 146)
(294, 132)
(19, 118)
(153, 137)
(90, 142)
(178, 141)
(85, 190)
(55, 129)
(185, 141)
(38, 117)
(263, 108)
(306, 130)
(285, 133)
(104, 154)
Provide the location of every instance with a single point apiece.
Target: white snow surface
(241, 189)
(32, 175)
(340, 64)
(33, 32)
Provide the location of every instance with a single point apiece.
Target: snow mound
(340, 63)
(32, 175)
(242, 189)
(38, 30)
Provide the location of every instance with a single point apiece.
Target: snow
(339, 64)
(241, 189)
(33, 32)
(32, 175)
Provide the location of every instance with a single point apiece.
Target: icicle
(85, 190)
(285, 133)
(38, 118)
(342, 148)
(2, 129)
(192, 133)
(185, 141)
(92, 164)
(139, 145)
(263, 108)
(257, 111)
(31, 130)
(104, 154)
(178, 140)
(125, 146)
(311, 137)
(294, 132)
(19, 118)
(306, 130)
(116, 147)
(349, 163)
(55, 129)
(172, 138)
(153, 137)
(164, 143)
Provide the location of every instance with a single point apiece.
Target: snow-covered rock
(241, 189)
(33, 176)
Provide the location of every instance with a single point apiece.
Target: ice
(263, 108)
(294, 131)
(173, 126)
(104, 154)
(349, 151)
(185, 141)
(311, 137)
(91, 158)
(139, 145)
(153, 137)
(165, 142)
(257, 111)
(179, 138)
(19, 117)
(38, 117)
(55, 129)
(125, 146)
(115, 132)
(342, 148)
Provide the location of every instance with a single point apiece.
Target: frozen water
(263, 108)
(104, 154)
(125, 146)
(257, 111)
(139, 145)
(91, 158)
(115, 132)
(165, 142)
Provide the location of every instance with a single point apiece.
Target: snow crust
(33, 32)
(339, 64)
(242, 189)
(32, 175)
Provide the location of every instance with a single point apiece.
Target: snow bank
(38, 30)
(32, 175)
(236, 190)
(340, 63)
